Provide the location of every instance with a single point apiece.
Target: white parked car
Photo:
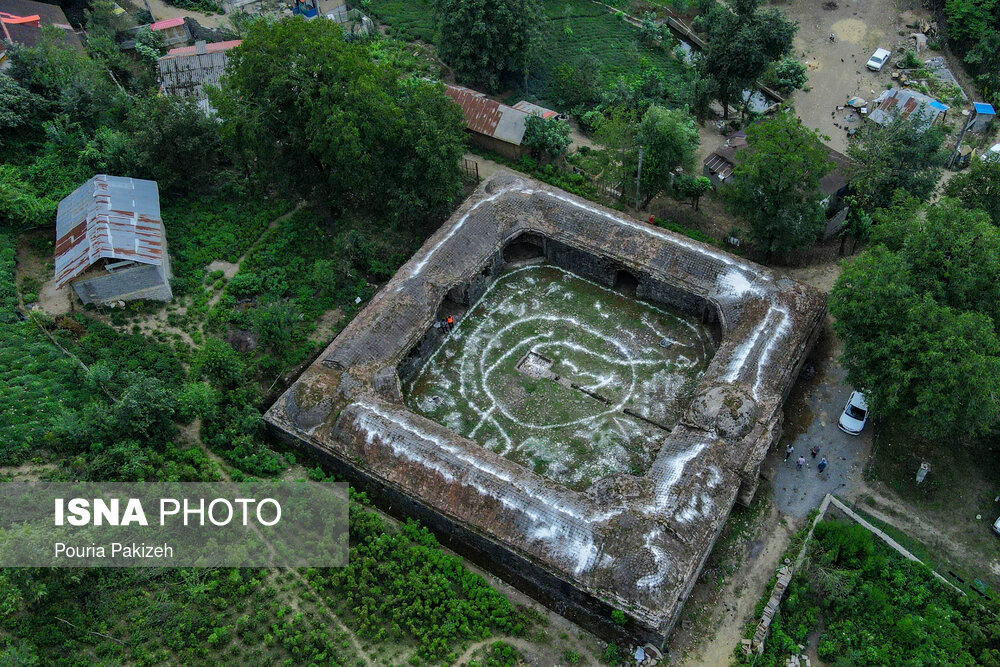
(878, 60)
(855, 415)
(996, 526)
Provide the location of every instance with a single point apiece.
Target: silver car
(855, 415)
(878, 60)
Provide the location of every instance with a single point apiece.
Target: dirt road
(837, 68)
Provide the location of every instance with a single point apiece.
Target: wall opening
(523, 248)
(626, 283)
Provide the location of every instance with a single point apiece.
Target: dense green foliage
(669, 140)
(974, 31)
(979, 187)
(902, 155)
(776, 183)
(873, 607)
(485, 40)
(300, 103)
(400, 585)
(743, 41)
(918, 315)
(546, 136)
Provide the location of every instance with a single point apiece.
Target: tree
(917, 314)
(776, 183)
(69, 81)
(19, 107)
(979, 187)
(691, 187)
(968, 20)
(313, 114)
(546, 136)
(984, 60)
(901, 155)
(484, 40)
(742, 43)
(669, 140)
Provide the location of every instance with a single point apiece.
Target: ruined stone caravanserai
(636, 543)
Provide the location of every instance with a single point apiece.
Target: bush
(789, 75)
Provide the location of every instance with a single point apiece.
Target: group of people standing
(801, 461)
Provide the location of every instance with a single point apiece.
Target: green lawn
(550, 370)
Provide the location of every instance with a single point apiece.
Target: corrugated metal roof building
(185, 71)
(492, 125)
(110, 241)
(904, 103)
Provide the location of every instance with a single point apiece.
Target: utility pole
(638, 177)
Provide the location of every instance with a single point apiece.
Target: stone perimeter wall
(580, 553)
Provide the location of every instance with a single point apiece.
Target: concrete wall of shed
(559, 595)
(145, 281)
(508, 150)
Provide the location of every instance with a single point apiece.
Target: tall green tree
(979, 187)
(743, 41)
(312, 113)
(776, 183)
(669, 140)
(984, 61)
(917, 313)
(484, 40)
(901, 155)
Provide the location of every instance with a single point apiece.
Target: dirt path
(161, 10)
(737, 599)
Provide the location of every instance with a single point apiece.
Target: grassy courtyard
(563, 376)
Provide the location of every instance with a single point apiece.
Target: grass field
(564, 376)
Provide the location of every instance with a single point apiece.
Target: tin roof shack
(21, 22)
(905, 103)
(984, 115)
(185, 71)
(491, 125)
(720, 164)
(110, 241)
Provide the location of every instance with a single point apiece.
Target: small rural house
(495, 126)
(904, 103)
(21, 22)
(719, 165)
(110, 241)
(174, 31)
(184, 71)
(491, 125)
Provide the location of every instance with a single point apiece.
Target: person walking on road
(801, 462)
(789, 450)
(822, 464)
(814, 451)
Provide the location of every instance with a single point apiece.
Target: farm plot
(563, 376)
(575, 36)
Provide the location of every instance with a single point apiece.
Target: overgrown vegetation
(93, 398)
(873, 607)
